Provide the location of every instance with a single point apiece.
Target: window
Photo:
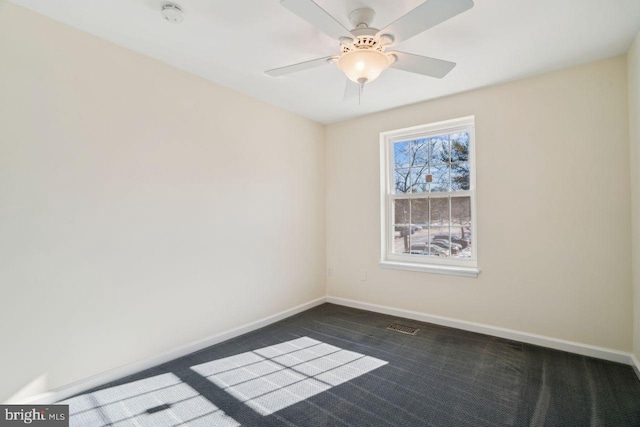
(428, 198)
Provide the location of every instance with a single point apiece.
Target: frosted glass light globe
(363, 65)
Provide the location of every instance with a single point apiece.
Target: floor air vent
(403, 329)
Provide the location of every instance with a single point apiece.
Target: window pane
(440, 152)
(420, 212)
(401, 229)
(402, 181)
(420, 226)
(460, 147)
(439, 178)
(401, 154)
(461, 225)
(439, 226)
(401, 211)
(419, 179)
(460, 176)
(420, 152)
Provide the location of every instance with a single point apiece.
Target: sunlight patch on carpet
(275, 377)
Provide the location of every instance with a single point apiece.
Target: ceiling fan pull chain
(361, 82)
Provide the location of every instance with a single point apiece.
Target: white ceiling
(232, 42)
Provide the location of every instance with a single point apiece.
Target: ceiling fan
(363, 56)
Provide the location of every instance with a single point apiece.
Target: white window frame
(389, 259)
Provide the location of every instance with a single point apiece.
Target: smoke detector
(172, 13)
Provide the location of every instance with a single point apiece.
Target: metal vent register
(403, 329)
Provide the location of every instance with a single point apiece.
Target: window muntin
(429, 195)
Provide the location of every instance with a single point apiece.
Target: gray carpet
(337, 366)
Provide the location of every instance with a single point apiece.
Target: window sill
(431, 268)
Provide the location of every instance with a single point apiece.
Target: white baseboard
(35, 387)
(636, 365)
(541, 340)
(97, 380)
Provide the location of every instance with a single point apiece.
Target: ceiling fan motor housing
(363, 42)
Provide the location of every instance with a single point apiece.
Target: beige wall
(633, 72)
(141, 208)
(553, 208)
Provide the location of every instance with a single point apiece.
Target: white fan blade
(301, 66)
(351, 90)
(317, 16)
(427, 15)
(422, 65)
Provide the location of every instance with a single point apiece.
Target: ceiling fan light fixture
(364, 65)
